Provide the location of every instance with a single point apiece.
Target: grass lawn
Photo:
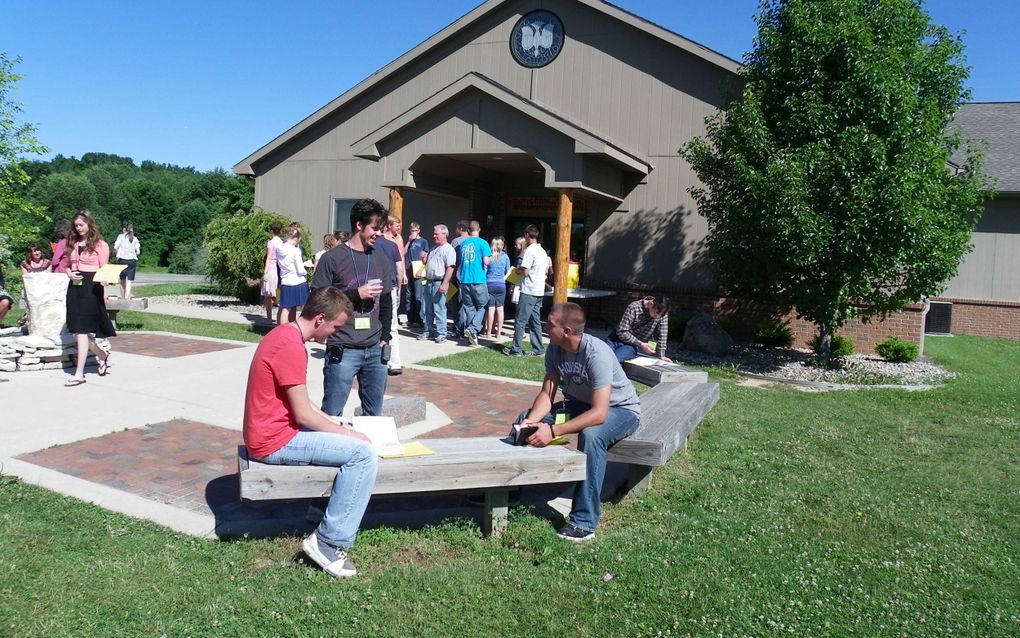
(180, 288)
(128, 320)
(870, 513)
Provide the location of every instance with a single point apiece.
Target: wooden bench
(486, 465)
(116, 304)
(669, 413)
(661, 372)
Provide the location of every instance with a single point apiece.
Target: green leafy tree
(827, 188)
(20, 220)
(148, 205)
(63, 194)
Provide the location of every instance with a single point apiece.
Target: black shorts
(129, 272)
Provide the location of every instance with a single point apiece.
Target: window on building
(342, 213)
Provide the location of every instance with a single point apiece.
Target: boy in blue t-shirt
(474, 295)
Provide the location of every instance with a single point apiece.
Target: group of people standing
(79, 253)
(479, 271)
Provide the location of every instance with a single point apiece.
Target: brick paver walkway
(165, 346)
(193, 465)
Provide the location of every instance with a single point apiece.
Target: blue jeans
(414, 294)
(435, 309)
(352, 488)
(622, 350)
(529, 314)
(338, 374)
(473, 299)
(594, 441)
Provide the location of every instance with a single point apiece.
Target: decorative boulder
(404, 410)
(704, 335)
(47, 316)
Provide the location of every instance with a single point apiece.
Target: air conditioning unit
(939, 320)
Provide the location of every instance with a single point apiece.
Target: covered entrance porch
(476, 150)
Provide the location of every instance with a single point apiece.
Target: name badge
(362, 323)
(561, 417)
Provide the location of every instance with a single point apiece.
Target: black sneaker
(510, 353)
(574, 534)
(332, 560)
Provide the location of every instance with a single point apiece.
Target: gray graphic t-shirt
(593, 366)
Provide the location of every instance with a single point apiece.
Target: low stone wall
(22, 353)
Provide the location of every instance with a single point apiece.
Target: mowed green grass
(870, 513)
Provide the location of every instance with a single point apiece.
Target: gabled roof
(244, 167)
(584, 141)
(996, 124)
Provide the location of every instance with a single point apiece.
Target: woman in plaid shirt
(642, 321)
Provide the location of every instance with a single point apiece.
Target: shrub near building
(237, 250)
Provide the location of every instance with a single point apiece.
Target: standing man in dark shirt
(356, 350)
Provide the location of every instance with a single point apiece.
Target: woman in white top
(270, 272)
(128, 249)
(293, 281)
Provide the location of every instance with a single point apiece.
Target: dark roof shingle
(996, 124)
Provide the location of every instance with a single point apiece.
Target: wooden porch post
(397, 203)
(564, 218)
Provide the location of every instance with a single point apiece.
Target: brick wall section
(999, 319)
(741, 318)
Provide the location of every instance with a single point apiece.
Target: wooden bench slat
(663, 373)
(472, 464)
(673, 411)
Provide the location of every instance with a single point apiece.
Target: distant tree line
(169, 206)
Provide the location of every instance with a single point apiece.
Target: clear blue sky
(205, 83)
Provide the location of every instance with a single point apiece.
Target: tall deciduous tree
(20, 221)
(827, 183)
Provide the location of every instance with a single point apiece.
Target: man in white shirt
(529, 308)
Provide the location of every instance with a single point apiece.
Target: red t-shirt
(280, 361)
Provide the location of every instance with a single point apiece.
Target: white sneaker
(332, 560)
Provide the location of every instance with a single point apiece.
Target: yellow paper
(514, 277)
(418, 268)
(560, 440)
(411, 449)
(109, 274)
(450, 292)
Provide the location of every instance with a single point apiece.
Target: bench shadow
(236, 519)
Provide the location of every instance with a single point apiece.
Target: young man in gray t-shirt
(600, 405)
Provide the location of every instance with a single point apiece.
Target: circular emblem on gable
(536, 39)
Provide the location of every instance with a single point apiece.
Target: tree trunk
(825, 346)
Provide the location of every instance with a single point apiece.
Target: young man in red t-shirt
(282, 427)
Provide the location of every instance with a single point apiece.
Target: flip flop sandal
(104, 366)
(72, 383)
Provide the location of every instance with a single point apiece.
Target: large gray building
(523, 108)
(496, 115)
